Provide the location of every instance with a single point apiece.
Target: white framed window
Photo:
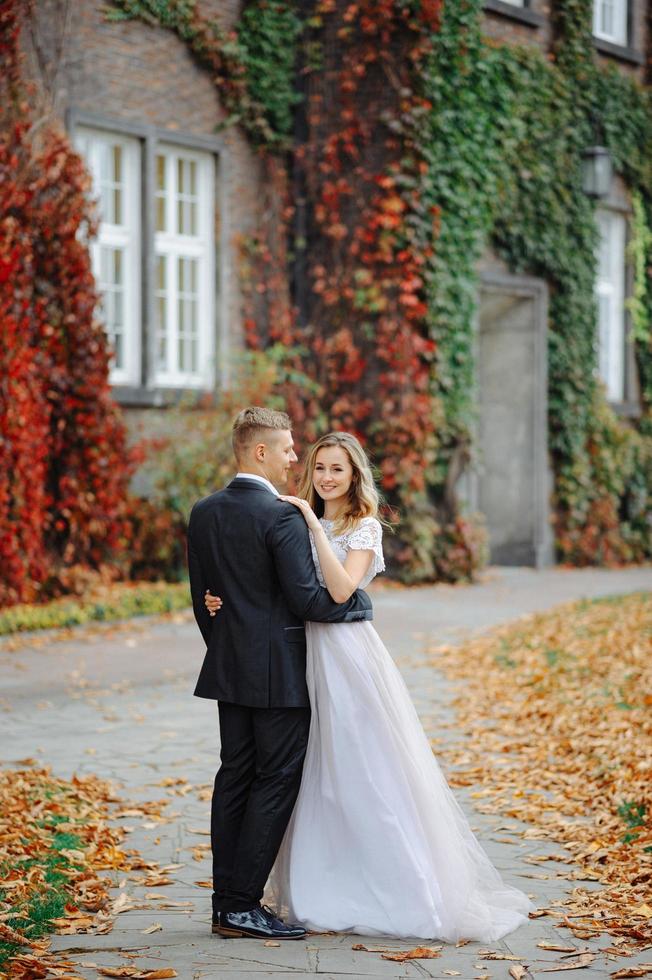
(114, 163)
(184, 277)
(610, 290)
(610, 20)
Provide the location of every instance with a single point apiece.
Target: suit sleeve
(197, 589)
(296, 571)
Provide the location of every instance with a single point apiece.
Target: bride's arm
(341, 579)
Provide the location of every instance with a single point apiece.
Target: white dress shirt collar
(261, 479)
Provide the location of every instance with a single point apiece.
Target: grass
(119, 601)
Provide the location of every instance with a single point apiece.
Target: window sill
(521, 14)
(628, 410)
(619, 51)
(134, 397)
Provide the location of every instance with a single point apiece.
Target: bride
(377, 843)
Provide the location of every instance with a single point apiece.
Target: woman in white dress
(377, 843)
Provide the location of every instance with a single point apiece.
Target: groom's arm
(298, 578)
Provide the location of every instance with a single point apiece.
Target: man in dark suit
(253, 551)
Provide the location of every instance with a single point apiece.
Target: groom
(253, 551)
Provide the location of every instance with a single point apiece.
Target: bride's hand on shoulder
(212, 602)
(309, 515)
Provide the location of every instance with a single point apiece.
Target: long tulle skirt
(377, 843)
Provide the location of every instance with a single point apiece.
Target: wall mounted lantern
(597, 171)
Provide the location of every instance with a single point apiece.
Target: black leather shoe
(256, 923)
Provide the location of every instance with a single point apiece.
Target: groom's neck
(244, 466)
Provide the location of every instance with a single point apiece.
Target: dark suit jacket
(254, 551)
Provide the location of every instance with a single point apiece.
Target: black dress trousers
(255, 791)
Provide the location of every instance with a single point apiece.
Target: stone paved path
(117, 702)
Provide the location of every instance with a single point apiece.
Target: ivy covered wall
(402, 145)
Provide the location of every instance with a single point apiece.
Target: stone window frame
(146, 391)
(630, 406)
(522, 13)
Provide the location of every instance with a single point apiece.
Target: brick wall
(509, 30)
(503, 23)
(144, 74)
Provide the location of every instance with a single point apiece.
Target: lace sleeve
(368, 536)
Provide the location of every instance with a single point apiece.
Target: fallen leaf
(584, 960)
(518, 971)
(117, 971)
(533, 719)
(123, 903)
(419, 953)
(493, 954)
(155, 927)
(156, 974)
(556, 948)
(271, 942)
(10, 935)
(631, 971)
(372, 949)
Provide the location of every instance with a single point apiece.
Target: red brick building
(177, 197)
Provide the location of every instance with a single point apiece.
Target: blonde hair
(251, 424)
(362, 499)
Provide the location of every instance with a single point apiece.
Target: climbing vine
(64, 461)
(404, 143)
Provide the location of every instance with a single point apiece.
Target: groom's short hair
(250, 424)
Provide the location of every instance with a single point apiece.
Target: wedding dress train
(377, 843)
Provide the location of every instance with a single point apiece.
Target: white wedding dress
(377, 844)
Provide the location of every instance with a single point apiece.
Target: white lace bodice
(367, 536)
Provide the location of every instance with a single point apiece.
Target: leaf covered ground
(55, 842)
(557, 710)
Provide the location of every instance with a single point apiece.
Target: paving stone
(120, 704)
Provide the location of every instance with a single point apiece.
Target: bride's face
(333, 473)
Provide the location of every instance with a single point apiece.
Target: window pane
(112, 309)
(187, 197)
(161, 220)
(610, 20)
(187, 312)
(110, 165)
(117, 206)
(610, 289)
(160, 172)
(116, 176)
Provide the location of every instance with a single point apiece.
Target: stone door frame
(528, 287)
